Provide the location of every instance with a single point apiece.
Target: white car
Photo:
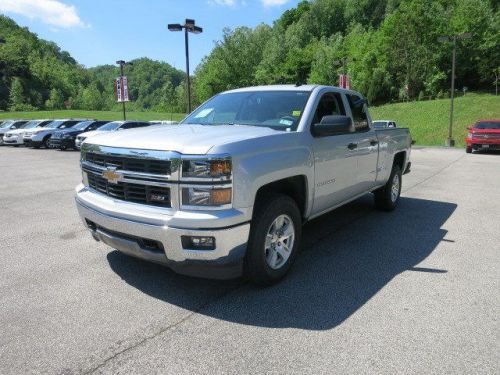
(8, 125)
(110, 126)
(15, 137)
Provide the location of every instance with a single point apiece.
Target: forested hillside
(389, 48)
(36, 74)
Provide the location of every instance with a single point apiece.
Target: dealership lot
(413, 291)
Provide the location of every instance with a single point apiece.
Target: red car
(483, 135)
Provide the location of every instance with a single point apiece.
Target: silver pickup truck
(225, 193)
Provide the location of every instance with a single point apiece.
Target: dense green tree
(16, 96)
(56, 99)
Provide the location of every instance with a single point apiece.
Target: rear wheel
(387, 197)
(274, 240)
(45, 142)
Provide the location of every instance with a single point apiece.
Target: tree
(56, 99)
(16, 96)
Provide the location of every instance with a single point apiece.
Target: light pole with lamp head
(189, 27)
(450, 142)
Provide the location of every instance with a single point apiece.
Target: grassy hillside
(99, 115)
(428, 120)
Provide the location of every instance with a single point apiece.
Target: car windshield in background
(82, 125)
(379, 124)
(487, 125)
(6, 124)
(111, 126)
(31, 124)
(280, 110)
(54, 124)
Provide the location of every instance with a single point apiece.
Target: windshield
(487, 125)
(379, 124)
(6, 124)
(82, 125)
(280, 110)
(111, 126)
(54, 124)
(31, 124)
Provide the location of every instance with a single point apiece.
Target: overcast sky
(99, 32)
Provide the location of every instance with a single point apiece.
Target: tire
(387, 197)
(468, 150)
(45, 142)
(266, 265)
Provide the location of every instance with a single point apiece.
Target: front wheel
(387, 197)
(274, 240)
(468, 150)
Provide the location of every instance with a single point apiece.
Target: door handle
(373, 142)
(352, 146)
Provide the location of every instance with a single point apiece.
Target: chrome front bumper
(124, 226)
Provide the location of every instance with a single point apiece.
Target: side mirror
(333, 125)
(468, 127)
(12, 127)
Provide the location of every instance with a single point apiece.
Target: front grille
(151, 195)
(161, 167)
(486, 136)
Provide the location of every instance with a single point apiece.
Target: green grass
(99, 115)
(428, 120)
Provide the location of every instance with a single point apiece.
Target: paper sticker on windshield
(204, 113)
(296, 113)
(286, 122)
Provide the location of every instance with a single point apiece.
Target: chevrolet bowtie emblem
(111, 175)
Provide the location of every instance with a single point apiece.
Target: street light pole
(186, 45)
(450, 142)
(121, 63)
(189, 27)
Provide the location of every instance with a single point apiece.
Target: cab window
(358, 109)
(330, 104)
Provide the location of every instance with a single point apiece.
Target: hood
(38, 130)
(70, 131)
(92, 133)
(17, 131)
(186, 139)
(487, 131)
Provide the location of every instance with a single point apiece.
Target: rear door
(367, 145)
(334, 163)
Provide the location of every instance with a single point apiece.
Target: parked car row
(61, 134)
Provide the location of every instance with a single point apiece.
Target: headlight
(217, 168)
(206, 196)
(469, 135)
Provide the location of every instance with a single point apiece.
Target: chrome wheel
(279, 241)
(395, 188)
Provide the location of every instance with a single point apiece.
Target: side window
(128, 125)
(330, 104)
(358, 109)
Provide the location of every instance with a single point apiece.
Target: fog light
(198, 243)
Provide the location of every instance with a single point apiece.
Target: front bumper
(62, 143)
(13, 140)
(148, 233)
(483, 143)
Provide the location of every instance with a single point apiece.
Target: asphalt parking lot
(414, 291)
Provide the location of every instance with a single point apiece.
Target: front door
(335, 164)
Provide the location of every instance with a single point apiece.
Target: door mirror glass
(333, 125)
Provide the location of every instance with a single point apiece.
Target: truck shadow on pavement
(348, 256)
